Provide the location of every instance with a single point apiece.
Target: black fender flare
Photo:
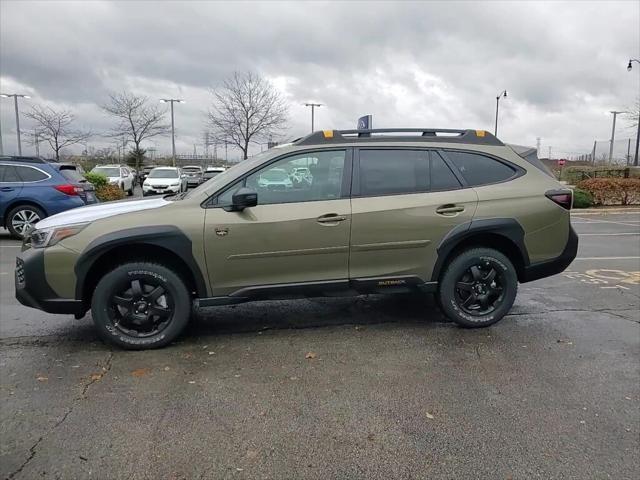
(168, 237)
(509, 228)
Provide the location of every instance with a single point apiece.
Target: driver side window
(305, 177)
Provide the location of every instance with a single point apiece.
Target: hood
(161, 181)
(100, 210)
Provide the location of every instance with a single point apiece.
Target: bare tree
(137, 121)
(55, 128)
(245, 109)
(632, 116)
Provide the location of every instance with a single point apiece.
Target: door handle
(6, 189)
(331, 218)
(449, 209)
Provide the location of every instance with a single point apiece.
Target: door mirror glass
(243, 198)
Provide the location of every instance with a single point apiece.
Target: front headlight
(46, 237)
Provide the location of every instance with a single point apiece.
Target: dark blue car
(32, 189)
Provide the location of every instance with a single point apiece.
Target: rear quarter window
(479, 169)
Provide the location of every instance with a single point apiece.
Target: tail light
(69, 189)
(564, 198)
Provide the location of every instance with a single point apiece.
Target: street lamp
(173, 135)
(502, 94)
(15, 103)
(635, 160)
(313, 106)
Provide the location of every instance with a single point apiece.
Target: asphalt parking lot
(372, 387)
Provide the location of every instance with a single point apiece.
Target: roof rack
(15, 158)
(446, 135)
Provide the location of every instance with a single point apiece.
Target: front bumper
(32, 289)
(151, 190)
(556, 265)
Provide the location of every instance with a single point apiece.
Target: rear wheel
(140, 305)
(478, 287)
(22, 218)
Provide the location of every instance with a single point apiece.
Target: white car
(117, 175)
(163, 180)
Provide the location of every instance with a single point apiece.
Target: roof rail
(446, 135)
(15, 158)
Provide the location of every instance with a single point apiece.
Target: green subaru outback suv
(456, 213)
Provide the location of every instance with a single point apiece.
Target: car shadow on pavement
(315, 313)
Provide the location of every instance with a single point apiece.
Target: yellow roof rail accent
(480, 133)
(328, 133)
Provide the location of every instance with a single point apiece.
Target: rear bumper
(32, 289)
(556, 265)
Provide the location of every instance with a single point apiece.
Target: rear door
(10, 187)
(404, 202)
(298, 233)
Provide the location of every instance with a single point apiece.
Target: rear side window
(8, 174)
(28, 174)
(480, 170)
(442, 178)
(386, 172)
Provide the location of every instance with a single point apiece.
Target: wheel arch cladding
(503, 234)
(166, 245)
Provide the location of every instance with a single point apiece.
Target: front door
(298, 232)
(405, 201)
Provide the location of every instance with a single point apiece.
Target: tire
(478, 287)
(21, 218)
(124, 297)
(130, 191)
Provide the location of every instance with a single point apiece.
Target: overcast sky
(409, 64)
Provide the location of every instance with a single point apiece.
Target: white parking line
(606, 258)
(629, 223)
(607, 234)
(10, 246)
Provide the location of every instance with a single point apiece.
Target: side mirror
(243, 198)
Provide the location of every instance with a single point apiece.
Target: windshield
(191, 169)
(163, 173)
(107, 171)
(210, 174)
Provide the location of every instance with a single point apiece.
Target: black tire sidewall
(15, 210)
(446, 292)
(130, 271)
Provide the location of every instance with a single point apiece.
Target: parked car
(162, 180)
(274, 179)
(32, 189)
(211, 172)
(119, 175)
(144, 172)
(455, 213)
(301, 175)
(194, 175)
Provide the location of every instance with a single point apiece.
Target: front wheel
(140, 305)
(478, 287)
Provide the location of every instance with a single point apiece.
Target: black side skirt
(327, 288)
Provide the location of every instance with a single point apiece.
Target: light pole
(613, 133)
(173, 131)
(635, 159)
(15, 103)
(313, 106)
(502, 94)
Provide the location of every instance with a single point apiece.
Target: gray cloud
(408, 63)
